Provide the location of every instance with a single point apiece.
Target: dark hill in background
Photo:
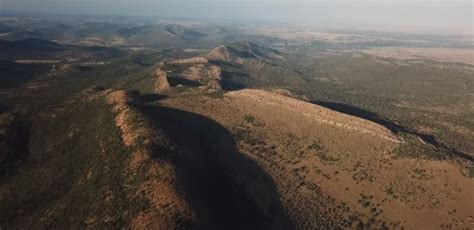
(30, 44)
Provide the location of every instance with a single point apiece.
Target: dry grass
(346, 173)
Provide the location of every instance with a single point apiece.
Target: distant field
(37, 61)
(465, 56)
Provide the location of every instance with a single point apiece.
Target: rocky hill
(218, 138)
(341, 167)
(239, 51)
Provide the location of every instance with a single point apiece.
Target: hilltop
(239, 51)
(342, 167)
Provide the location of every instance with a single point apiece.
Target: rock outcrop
(194, 60)
(154, 180)
(241, 51)
(161, 80)
(215, 77)
(220, 53)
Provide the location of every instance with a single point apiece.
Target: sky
(441, 15)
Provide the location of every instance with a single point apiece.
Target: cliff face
(215, 77)
(161, 80)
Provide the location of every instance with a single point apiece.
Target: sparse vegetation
(84, 167)
(249, 119)
(202, 152)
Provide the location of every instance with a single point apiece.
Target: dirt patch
(194, 73)
(119, 97)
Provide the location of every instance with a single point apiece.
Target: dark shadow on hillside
(231, 86)
(362, 113)
(393, 127)
(225, 64)
(241, 53)
(14, 146)
(226, 189)
(234, 80)
(152, 97)
(13, 74)
(174, 81)
(234, 74)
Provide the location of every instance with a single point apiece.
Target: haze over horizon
(437, 16)
(236, 114)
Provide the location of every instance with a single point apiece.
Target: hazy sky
(449, 15)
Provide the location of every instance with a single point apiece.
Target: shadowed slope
(226, 189)
(393, 127)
